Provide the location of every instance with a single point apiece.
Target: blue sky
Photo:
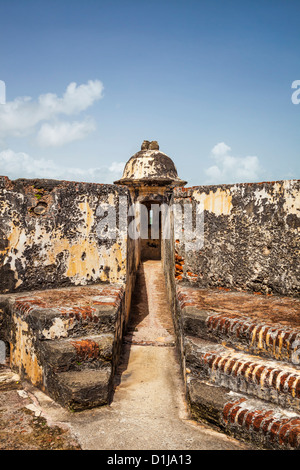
(88, 81)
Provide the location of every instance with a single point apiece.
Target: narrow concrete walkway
(148, 411)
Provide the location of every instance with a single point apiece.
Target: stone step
(52, 323)
(269, 340)
(67, 341)
(270, 380)
(265, 425)
(67, 312)
(77, 353)
(79, 390)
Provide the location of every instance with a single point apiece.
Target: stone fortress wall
(66, 291)
(250, 238)
(48, 236)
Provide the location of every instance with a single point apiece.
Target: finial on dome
(154, 145)
(145, 145)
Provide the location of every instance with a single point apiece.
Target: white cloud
(117, 167)
(21, 165)
(53, 135)
(75, 99)
(41, 119)
(220, 149)
(231, 169)
(21, 116)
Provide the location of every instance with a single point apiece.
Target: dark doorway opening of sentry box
(150, 231)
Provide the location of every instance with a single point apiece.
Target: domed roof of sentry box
(150, 166)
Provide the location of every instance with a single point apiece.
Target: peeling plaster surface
(57, 330)
(251, 237)
(48, 235)
(22, 353)
(218, 202)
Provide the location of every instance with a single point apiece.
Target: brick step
(77, 353)
(270, 380)
(79, 390)
(254, 420)
(269, 340)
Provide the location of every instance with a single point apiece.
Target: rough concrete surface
(148, 411)
(23, 425)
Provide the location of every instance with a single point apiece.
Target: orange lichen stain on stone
(86, 349)
(22, 356)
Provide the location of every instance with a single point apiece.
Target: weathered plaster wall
(251, 237)
(49, 238)
(133, 260)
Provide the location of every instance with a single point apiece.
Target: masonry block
(56, 334)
